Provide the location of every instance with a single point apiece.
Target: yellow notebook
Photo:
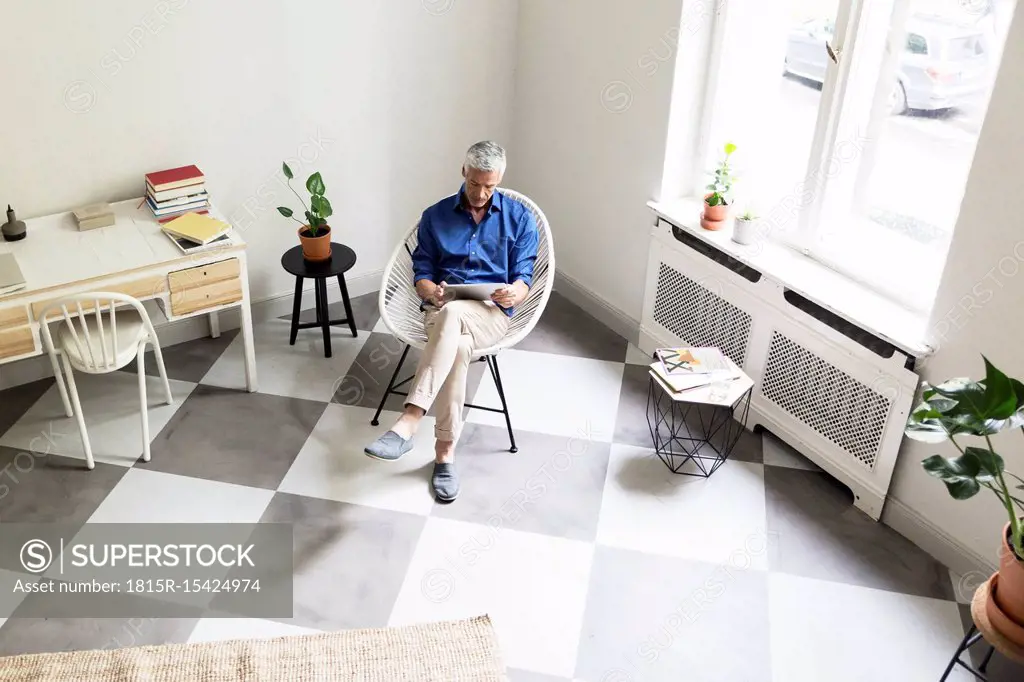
(196, 228)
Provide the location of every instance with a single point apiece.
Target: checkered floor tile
(594, 561)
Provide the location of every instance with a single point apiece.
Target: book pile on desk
(175, 192)
(194, 232)
(682, 369)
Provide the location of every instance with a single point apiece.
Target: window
(858, 161)
(916, 44)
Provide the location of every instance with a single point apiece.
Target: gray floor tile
(631, 427)
(38, 635)
(565, 329)
(14, 402)
(188, 361)
(368, 377)
(553, 485)
(364, 309)
(45, 488)
(234, 436)
(656, 618)
(818, 533)
(349, 560)
(1000, 668)
(780, 454)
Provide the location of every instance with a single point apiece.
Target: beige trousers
(453, 332)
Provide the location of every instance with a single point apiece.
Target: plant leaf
(285, 211)
(1000, 399)
(325, 208)
(315, 184)
(959, 474)
(991, 464)
(287, 171)
(963, 490)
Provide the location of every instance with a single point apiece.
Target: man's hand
(512, 295)
(437, 296)
(431, 293)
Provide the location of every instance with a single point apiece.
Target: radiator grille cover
(699, 316)
(838, 407)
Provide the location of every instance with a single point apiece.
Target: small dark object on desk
(13, 229)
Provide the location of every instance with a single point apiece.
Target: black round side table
(342, 259)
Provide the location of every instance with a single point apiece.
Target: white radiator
(838, 394)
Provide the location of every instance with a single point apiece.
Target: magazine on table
(691, 361)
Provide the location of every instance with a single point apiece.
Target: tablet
(476, 292)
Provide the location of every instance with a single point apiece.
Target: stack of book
(682, 369)
(193, 232)
(175, 192)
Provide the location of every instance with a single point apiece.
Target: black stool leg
(322, 315)
(391, 383)
(348, 305)
(296, 305)
(492, 363)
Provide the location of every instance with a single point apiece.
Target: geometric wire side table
(982, 631)
(695, 426)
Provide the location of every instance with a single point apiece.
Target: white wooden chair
(100, 339)
(400, 307)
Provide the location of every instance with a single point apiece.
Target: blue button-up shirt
(454, 249)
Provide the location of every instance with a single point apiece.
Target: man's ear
(463, 170)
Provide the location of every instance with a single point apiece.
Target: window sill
(845, 297)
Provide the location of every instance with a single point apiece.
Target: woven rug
(456, 650)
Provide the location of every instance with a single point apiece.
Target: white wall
(382, 97)
(593, 90)
(979, 305)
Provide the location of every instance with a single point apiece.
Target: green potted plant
(961, 408)
(745, 229)
(315, 233)
(718, 199)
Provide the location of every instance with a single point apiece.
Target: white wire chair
(400, 307)
(103, 342)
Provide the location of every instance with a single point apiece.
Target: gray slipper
(388, 447)
(445, 482)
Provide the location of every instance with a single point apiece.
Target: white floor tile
(299, 371)
(113, 419)
(823, 630)
(533, 587)
(333, 466)
(154, 497)
(719, 520)
(635, 356)
(780, 454)
(220, 629)
(554, 394)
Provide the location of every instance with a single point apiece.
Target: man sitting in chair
(475, 236)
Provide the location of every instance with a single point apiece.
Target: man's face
(480, 185)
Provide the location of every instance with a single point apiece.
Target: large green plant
(319, 209)
(721, 184)
(961, 408)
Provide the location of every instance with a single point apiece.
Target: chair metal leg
(296, 305)
(492, 363)
(79, 417)
(161, 369)
(61, 388)
(375, 421)
(143, 403)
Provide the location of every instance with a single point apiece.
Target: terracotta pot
(1011, 582)
(316, 248)
(712, 224)
(715, 213)
(1001, 621)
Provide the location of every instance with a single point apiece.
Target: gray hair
(486, 156)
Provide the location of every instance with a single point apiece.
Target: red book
(174, 177)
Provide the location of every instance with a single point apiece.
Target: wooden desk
(131, 256)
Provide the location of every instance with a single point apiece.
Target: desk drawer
(16, 342)
(202, 276)
(15, 316)
(187, 301)
(144, 288)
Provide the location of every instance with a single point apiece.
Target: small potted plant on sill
(961, 407)
(315, 233)
(745, 228)
(718, 199)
